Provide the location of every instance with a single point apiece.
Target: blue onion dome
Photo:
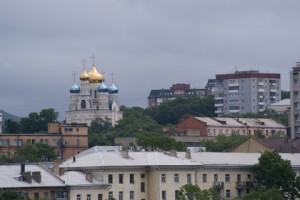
(113, 89)
(102, 87)
(74, 89)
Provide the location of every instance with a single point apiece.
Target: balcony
(261, 83)
(218, 185)
(245, 184)
(219, 98)
(261, 103)
(234, 111)
(219, 105)
(261, 90)
(233, 84)
(260, 96)
(218, 111)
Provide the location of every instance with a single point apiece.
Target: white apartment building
(1, 122)
(245, 91)
(159, 175)
(295, 101)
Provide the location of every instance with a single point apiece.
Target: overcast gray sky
(147, 44)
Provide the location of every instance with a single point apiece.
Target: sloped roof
(10, 173)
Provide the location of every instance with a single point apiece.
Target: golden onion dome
(84, 76)
(95, 76)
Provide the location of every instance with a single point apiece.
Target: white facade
(246, 91)
(295, 101)
(93, 99)
(159, 175)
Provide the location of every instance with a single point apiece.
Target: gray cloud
(147, 44)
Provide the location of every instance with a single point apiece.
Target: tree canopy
(35, 153)
(273, 172)
(190, 191)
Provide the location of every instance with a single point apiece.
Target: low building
(282, 145)
(68, 140)
(156, 97)
(32, 181)
(281, 106)
(160, 175)
(214, 126)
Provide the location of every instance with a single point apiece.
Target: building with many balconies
(295, 101)
(245, 91)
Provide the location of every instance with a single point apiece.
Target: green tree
(263, 194)
(153, 141)
(223, 143)
(35, 153)
(47, 115)
(272, 172)
(11, 126)
(193, 192)
(285, 94)
(11, 195)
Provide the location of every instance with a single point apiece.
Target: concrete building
(295, 101)
(214, 126)
(156, 97)
(159, 175)
(281, 106)
(32, 181)
(245, 91)
(93, 99)
(68, 140)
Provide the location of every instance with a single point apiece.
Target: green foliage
(35, 153)
(11, 126)
(5, 159)
(153, 141)
(285, 94)
(11, 195)
(190, 191)
(170, 112)
(223, 143)
(272, 172)
(35, 122)
(263, 194)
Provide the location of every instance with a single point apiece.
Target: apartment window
(163, 178)
(215, 178)
(227, 178)
(36, 196)
(88, 197)
(46, 195)
(100, 196)
(120, 195)
(188, 178)
(204, 178)
(78, 197)
(121, 178)
(131, 178)
(110, 178)
(176, 194)
(176, 178)
(110, 196)
(238, 178)
(239, 191)
(163, 195)
(227, 195)
(142, 186)
(131, 195)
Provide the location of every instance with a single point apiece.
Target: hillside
(7, 115)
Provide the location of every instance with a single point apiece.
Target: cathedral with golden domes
(93, 99)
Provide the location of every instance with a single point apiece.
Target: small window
(227, 178)
(204, 178)
(110, 196)
(188, 178)
(88, 197)
(78, 197)
(176, 178)
(163, 178)
(120, 195)
(110, 178)
(142, 186)
(142, 175)
(121, 178)
(131, 196)
(163, 195)
(227, 194)
(131, 178)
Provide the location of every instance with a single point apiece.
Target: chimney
(37, 176)
(188, 154)
(173, 153)
(27, 177)
(89, 177)
(61, 171)
(125, 153)
(22, 168)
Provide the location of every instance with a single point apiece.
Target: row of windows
(20, 142)
(176, 178)
(121, 178)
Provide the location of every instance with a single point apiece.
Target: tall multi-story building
(93, 99)
(295, 101)
(245, 91)
(156, 97)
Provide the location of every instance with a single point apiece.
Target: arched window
(83, 104)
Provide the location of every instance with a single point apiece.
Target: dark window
(121, 178)
(83, 104)
(110, 178)
(142, 187)
(131, 178)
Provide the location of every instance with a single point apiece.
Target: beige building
(160, 175)
(68, 140)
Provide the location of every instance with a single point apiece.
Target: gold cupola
(84, 76)
(95, 76)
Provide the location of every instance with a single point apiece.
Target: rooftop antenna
(93, 57)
